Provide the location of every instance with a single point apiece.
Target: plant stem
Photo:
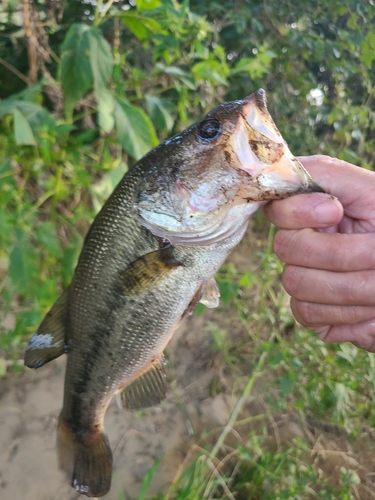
(100, 14)
(239, 405)
(16, 72)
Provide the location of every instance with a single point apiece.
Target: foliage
(88, 88)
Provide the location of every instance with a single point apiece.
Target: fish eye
(209, 129)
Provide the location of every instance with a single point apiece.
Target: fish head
(201, 186)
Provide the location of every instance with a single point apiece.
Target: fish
(148, 259)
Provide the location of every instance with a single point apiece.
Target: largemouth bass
(147, 260)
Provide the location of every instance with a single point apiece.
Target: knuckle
(281, 244)
(358, 287)
(323, 158)
(343, 256)
(306, 311)
(292, 280)
(324, 333)
(350, 314)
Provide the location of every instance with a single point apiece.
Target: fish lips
(265, 156)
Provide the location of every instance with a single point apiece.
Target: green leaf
(134, 129)
(368, 49)
(75, 66)
(86, 60)
(254, 66)
(100, 56)
(210, 70)
(101, 66)
(148, 478)
(22, 131)
(142, 27)
(158, 109)
(106, 106)
(147, 4)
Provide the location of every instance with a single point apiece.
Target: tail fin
(87, 462)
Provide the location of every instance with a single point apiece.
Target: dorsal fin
(211, 294)
(149, 389)
(49, 341)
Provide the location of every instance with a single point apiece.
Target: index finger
(352, 185)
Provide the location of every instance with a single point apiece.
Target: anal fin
(149, 389)
(49, 341)
(211, 294)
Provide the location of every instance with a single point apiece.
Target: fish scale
(147, 260)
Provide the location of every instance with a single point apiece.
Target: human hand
(329, 250)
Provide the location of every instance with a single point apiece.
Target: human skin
(328, 246)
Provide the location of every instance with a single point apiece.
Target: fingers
(335, 176)
(315, 210)
(360, 334)
(333, 252)
(326, 287)
(312, 315)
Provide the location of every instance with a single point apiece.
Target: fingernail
(326, 212)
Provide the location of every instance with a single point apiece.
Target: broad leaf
(76, 74)
(106, 106)
(147, 4)
(134, 129)
(22, 130)
(368, 49)
(142, 27)
(182, 75)
(101, 66)
(209, 70)
(159, 110)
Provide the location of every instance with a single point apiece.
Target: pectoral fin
(147, 390)
(49, 341)
(147, 270)
(211, 294)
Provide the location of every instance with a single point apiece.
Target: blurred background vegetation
(87, 88)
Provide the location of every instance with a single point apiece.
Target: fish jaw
(262, 153)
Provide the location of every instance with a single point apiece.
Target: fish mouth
(264, 155)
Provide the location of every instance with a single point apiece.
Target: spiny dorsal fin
(211, 294)
(49, 341)
(148, 269)
(147, 390)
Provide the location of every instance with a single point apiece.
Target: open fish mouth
(263, 153)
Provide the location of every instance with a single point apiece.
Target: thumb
(315, 210)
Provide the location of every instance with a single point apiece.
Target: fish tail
(86, 460)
